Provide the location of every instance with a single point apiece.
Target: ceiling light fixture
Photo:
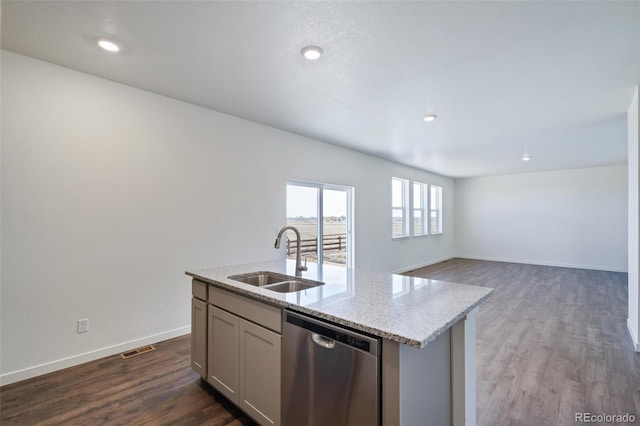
(311, 52)
(429, 118)
(526, 157)
(108, 45)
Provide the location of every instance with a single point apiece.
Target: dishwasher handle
(323, 341)
(330, 335)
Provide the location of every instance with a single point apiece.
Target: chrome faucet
(299, 267)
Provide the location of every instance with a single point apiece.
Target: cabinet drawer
(199, 290)
(261, 313)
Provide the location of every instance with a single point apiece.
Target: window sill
(437, 233)
(401, 237)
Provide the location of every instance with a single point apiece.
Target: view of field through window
(436, 210)
(399, 207)
(426, 208)
(303, 213)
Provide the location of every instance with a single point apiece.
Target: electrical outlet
(83, 325)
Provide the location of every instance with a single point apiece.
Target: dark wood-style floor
(552, 342)
(154, 388)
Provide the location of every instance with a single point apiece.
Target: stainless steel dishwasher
(330, 375)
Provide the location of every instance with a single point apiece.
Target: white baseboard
(48, 367)
(535, 262)
(632, 332)
(422, 265)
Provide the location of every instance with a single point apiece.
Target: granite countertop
(408, 310)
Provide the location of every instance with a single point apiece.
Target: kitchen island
(427, 329)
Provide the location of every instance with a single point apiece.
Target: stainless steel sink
(260, 278)
(291, 286)
(275, 282)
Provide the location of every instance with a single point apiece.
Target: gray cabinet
(259, 373)
(199, 336)
(223, 349)
(236, 347)
(199, 327)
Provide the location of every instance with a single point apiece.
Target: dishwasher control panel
(329, 331)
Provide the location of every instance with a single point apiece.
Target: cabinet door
(259, 373)
(222, 351)
(199, 336)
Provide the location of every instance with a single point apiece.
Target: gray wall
(110, 193)
(575, 218)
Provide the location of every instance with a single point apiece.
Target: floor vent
(139, 351)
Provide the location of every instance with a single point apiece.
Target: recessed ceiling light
(526, 157)
(311, 52)
(429, 118)
(108, 45)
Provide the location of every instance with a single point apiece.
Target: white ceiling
(551, 78)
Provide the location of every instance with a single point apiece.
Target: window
(415, 205)
(419, 208)
(435, 209)
(399, 207)
(321, 209)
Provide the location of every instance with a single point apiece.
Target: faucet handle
(304, 268)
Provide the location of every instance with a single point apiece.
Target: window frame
(404, 207)
(424, 210)
(438, 211)
(350, 192)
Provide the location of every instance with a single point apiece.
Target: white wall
(633, 321)
(575, 218)
(110, 193)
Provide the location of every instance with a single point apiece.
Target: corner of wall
(633, 334)
(633, 217)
